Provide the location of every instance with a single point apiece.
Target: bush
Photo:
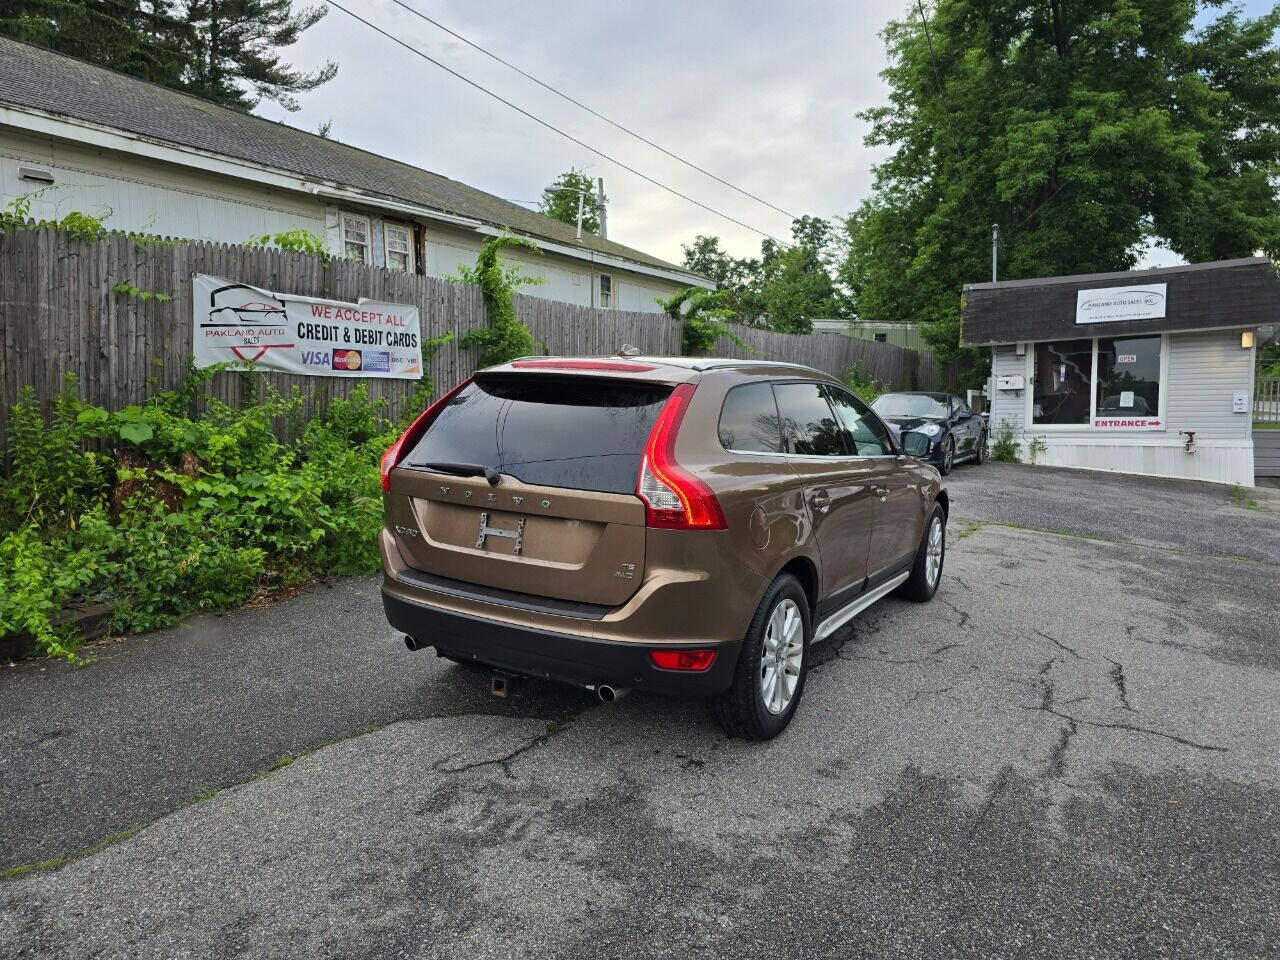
(159, 511)
(861, 384)
(1005, 447)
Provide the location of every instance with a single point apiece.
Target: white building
(82, 138)
(1148, 372)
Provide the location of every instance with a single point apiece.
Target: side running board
(855, 606)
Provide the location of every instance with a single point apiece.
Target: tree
(144, 38)
(560, 200)
(234, 51)
(786, 289)
(222, 50)
(1086, 130)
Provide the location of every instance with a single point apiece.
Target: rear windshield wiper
(467, 470)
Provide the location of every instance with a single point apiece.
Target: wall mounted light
(1246, 340)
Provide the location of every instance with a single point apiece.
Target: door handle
(820, 501)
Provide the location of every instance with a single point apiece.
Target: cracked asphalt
(1071, 752)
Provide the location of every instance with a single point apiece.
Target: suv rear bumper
(545, 654)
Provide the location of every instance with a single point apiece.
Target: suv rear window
(580, 433)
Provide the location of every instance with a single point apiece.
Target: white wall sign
(237, 323)
(1009, 383)
(1240, 403)
(1115, 304)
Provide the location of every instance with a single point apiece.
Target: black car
(937, 428)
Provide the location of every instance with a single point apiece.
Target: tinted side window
(580, 433)
(959, 408)
(866, 433)
(808, 421)
(749, 420)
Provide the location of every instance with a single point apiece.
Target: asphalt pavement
(1069, 752)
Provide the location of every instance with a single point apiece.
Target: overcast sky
(764, 95)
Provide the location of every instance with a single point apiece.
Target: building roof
(33, 78)
(1198, 296)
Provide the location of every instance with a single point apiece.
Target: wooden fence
(1266, 400)
(59, 314)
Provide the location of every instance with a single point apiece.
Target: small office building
(1147, 372)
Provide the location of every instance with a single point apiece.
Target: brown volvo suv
(680, 525)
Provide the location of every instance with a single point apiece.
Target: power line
(568, 136)
(594, 113)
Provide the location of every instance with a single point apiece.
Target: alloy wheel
(933, 552)
(781, 656)
(949, 455)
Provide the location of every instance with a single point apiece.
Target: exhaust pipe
(608, 694)
(411, 643)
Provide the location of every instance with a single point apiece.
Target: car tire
(925, 575)
(948, 460)
(742, 710)
(980, 454)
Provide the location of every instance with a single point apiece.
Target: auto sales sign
(241, 324)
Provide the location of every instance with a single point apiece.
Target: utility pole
(995, 243)
(604, 226)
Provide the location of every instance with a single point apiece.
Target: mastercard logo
(346, 359)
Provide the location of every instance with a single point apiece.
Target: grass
(53, 863)
(1241, 499)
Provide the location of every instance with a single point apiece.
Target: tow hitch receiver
(502, 685)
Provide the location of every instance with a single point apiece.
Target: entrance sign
(1116, 304)
(1103, 422)
(238, 323)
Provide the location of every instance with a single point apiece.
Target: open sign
(1126, 358)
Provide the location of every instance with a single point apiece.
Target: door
(838, 489)
(896, 531)
(967, 427)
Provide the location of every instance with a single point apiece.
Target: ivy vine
(506, 337)
(705, 314)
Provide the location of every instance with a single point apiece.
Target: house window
(1128, 378)
(606, 291)
(1063, 382)
(399, 246)
(355, 238)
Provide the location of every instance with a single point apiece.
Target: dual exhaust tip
(501, 684)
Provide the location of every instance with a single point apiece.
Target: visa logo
(315, 358)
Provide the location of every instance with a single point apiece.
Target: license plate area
(516, 534)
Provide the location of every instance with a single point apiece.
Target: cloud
(764, 95)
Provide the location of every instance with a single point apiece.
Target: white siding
(564, 279)
(141, 195)
(1219, 461)
(1008, 405)
(1205, 369)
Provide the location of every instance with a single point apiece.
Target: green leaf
(136, 432)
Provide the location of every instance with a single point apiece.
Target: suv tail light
(395, 453)
(674, 499)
